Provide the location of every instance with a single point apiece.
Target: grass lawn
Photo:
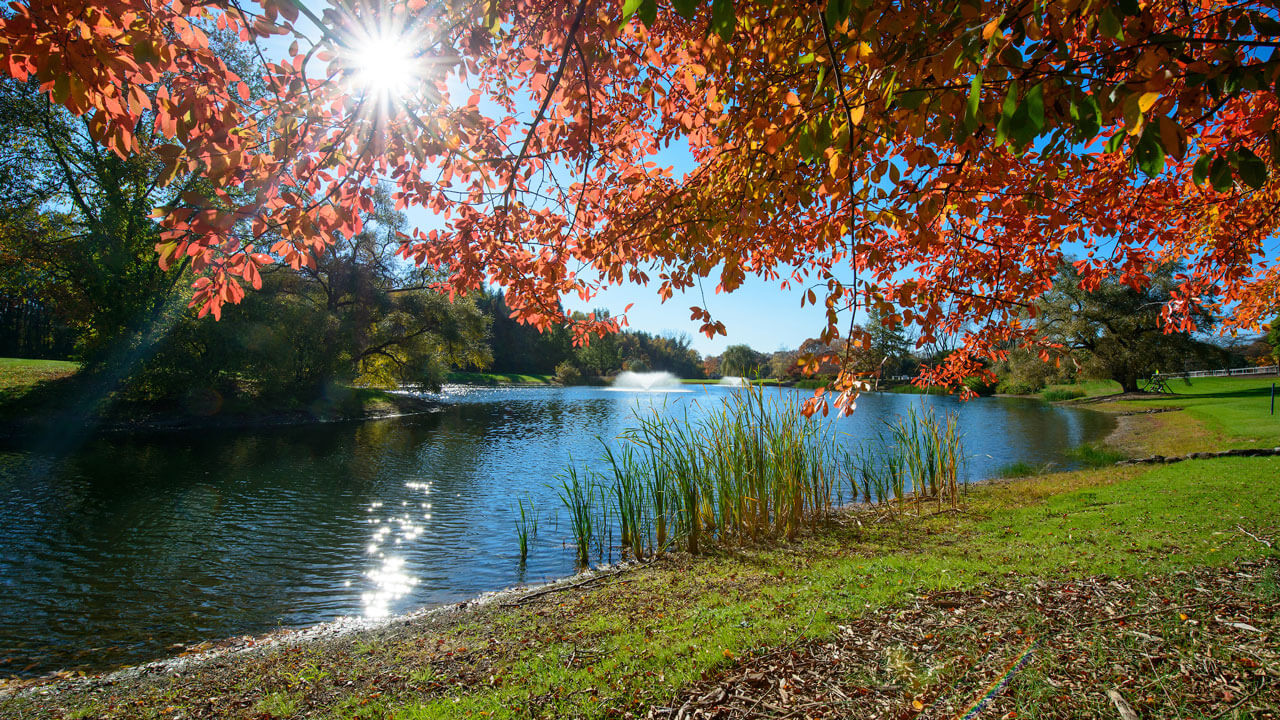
(1140, 580)
(479, 378)
(1231, 412)
(18, 375)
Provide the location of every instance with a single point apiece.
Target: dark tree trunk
(1128, 383)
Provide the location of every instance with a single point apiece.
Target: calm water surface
(121, 548)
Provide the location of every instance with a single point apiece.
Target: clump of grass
(577, 496)
(1093, 455)
(915, 457)
(1057, 394)
(755, 469)
(526, 525)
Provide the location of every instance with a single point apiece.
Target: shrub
(1015, 387)
(568, 374)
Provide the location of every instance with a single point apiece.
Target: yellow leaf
(1147, 100)
(728, 654)
(917, 705)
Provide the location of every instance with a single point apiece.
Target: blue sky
(759, 314)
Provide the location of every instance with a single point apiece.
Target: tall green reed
(526, 524)
(577, 496)
(752, 469)
(913, 458)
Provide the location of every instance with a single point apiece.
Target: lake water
(125, 547)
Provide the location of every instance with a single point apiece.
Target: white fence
(1263, 370)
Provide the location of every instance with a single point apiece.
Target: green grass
(479, 378)
(17, 375)
(1056, 395)
(1237, 409)
(1095, 455)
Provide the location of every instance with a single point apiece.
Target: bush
(1016, 387)
(568, 374)
(1062, 394)
(980, 386)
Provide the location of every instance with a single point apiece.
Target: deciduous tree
(934, 160)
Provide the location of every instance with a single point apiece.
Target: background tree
(1273, 339)
(1116, 331)
(783, 365)
(359, 316)
(521, 348)
(741, 361)
(888, 343)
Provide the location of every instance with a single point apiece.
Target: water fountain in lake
(646, 382)
(733, 381)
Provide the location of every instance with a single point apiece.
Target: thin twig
(1255, 537)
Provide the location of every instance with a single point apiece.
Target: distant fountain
(733, 381)
(646, 382)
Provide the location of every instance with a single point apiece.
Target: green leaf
(1128, 8)
(722, 18)
(686, 8)
(629, 8)
(974, 104)
(1035, 107)
(1200, 171)
(837, 11)
(1010, 101)
(1220, 174)
(1022, 118)
(822, 76)
(648, 12)
(912, 99)
(805, 144)
(974, 96)
(1150, 153)
(1114, 142)
(61, 87)
(1251, 168)
(1084, 115)
(1109, 24)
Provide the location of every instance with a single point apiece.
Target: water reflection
(133, 545)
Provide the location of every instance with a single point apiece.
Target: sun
(383, 66)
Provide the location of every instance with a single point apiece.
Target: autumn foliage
(936, 160)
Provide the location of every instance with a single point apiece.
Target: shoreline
(435, 617)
